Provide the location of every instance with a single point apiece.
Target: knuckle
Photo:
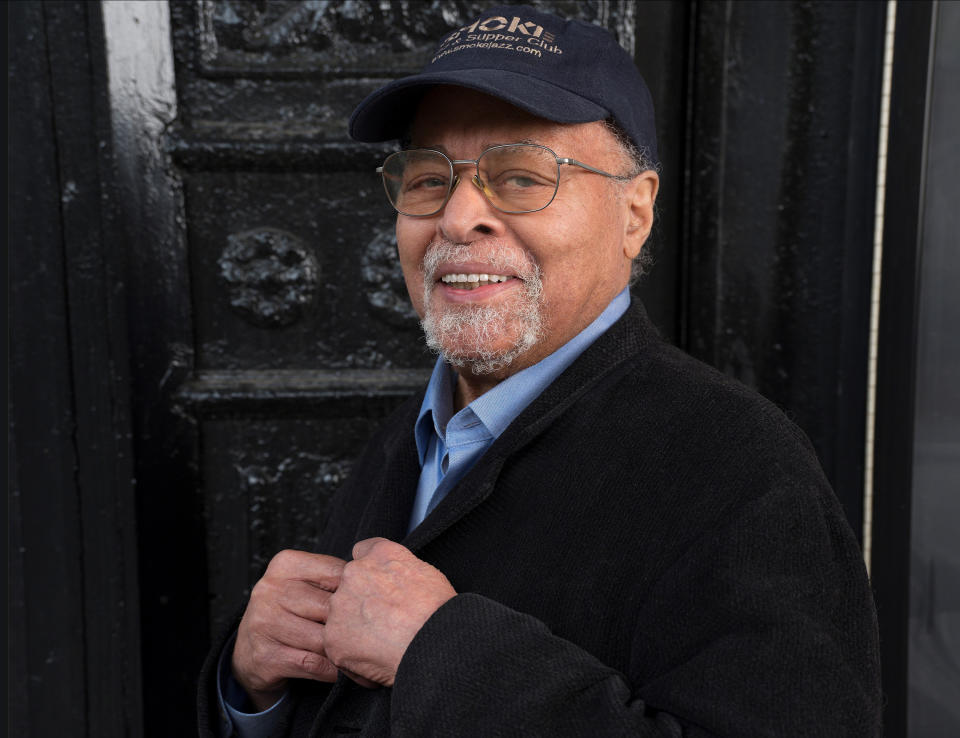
(260, 590)
(386, 546)
(347, 575)
(254, 622)
(335, 656)
(281, 561)
(260, 609)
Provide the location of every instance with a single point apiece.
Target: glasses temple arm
(568, 160)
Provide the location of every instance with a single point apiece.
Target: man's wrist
(240, 716)
(254, 699)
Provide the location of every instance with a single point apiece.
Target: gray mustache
(494, 252)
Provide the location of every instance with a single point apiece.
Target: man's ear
(639, 197)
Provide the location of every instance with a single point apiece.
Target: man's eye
(520, 180)
(426, 182)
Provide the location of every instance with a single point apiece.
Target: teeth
(472, 281)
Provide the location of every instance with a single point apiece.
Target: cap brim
(387, 113)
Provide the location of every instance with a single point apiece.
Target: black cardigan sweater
(649, 549)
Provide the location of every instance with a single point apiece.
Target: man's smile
(468, 277)
(472, 281)
(470, 286)
(473, 287)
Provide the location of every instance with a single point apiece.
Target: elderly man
(576, 529)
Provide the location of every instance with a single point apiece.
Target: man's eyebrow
(486, 144)
(432, 147)
(489, 144)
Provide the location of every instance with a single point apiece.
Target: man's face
(562, 265)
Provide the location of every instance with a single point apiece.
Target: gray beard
(462, 334)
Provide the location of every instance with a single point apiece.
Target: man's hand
(281, 635)
(385, 596)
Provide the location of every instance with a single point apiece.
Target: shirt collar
(498, 407)
(437, 407)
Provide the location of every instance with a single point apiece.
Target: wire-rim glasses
(515, 178)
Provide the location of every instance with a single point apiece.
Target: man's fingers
(296, 663)
(288, 630)
(303, 599)
(281, 635)
(310, 665)
(274, 645)
(317, 569)
(362, 548)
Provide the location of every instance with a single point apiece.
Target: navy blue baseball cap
(567, 71)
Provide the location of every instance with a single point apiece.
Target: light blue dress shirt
(449, 445)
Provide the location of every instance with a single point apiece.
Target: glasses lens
(520, 178)
(417, 181)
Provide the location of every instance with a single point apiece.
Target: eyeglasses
(515, 178)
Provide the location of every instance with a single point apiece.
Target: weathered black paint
(44, 536)
(76, 661)
(236, 382)
(781, 192)
(663, 52)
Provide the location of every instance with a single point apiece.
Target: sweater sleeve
(481, 664)
(763, 628)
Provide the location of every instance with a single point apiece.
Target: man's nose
(468, 214)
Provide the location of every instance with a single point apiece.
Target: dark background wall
(207, 321)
